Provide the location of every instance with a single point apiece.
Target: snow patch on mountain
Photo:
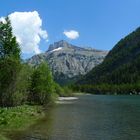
(57, 49)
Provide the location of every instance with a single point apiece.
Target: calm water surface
(91, 117)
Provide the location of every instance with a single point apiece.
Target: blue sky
(100, 23)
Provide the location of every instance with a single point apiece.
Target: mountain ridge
(68, 61)
(120, 66)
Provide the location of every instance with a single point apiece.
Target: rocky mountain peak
(68, 61)
(59, 44)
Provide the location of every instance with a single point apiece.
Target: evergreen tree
(9, 63)
(42, 85)
(8, 44)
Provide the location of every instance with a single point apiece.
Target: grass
(18, 118)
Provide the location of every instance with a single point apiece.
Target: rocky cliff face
(68, 61)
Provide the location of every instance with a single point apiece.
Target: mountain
(121, 65)
(68, 61)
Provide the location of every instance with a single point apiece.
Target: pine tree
(9, 63)
(8, 44)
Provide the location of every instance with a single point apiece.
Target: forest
(119, 73)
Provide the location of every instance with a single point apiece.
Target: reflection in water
(91, 117)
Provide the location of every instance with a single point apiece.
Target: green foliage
(120, 67)
(18, 118)
(19, 82)
(18, 114)
(8, 44)
(67, 91)
(9, 64)
(22, 84)
(58, 89)
(109, 89)
(9, 69)
(42, 85)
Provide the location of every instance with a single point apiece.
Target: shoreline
(18, 119)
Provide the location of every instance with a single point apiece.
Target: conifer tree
(8, 44)
(9, 63)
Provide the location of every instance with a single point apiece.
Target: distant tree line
(19, 82)
(108, 89)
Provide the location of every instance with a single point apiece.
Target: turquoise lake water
(90, 117)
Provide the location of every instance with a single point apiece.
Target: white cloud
(27, 27)
(71, 34)
(2, 19)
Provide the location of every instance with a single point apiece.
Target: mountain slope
(121, 65)
(67, 61)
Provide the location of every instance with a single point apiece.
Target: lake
(90, 117)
